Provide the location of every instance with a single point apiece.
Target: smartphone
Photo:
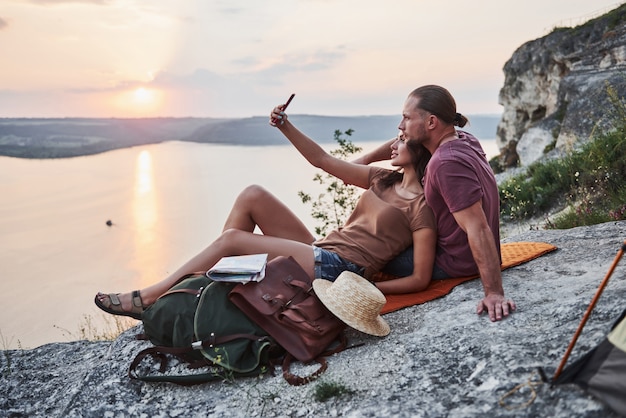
(283, 107)
(288, 101)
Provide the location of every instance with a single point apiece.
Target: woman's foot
(111, 303)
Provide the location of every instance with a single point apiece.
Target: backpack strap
(213, 340)
(196, 292)
(307, 287)
(285, 300)
(160, 352)
(296, 380)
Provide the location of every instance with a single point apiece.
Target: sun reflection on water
(144, 174)
(145, 214)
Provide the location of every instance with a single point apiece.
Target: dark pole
(589, 309)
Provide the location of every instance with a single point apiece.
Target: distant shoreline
(37, 154)
(41, 138)
(61, 152)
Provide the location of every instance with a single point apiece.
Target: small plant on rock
(333, 206)
(326, 390)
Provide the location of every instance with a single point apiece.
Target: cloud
(231, 11)
(199, 79)
(206, 93)
(315, 61)
(255, 72)
(257, 68)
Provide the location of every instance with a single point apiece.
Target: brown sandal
(113, 305)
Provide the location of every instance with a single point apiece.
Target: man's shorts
(402, 266)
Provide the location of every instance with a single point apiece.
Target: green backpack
(196, 322)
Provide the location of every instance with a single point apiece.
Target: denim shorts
(329, 265)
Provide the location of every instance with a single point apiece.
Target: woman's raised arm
(350, 173)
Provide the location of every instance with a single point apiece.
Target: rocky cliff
(440, 360)
(555, 90)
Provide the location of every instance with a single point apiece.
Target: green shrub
(590, 181)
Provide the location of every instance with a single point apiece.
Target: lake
(165, 201)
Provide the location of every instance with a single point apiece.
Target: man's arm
(381, 153)
(424, 244)
(472, 220)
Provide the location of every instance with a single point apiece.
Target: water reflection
(144, 176)
(145, 215)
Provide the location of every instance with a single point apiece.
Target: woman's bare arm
(349, 172)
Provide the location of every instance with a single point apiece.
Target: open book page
(239, 268)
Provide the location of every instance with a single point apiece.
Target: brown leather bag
(285, 306)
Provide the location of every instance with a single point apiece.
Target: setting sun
(143, 95)
(141, 101)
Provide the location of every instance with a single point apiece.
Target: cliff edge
(559, 89)
(440, 360)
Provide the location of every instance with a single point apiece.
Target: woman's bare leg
(255, 206)
(230, 242)
(283, 234)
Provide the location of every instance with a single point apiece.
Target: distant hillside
(256, 131)
(69, 137)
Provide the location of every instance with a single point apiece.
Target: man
(460, 187)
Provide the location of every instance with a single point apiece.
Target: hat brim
(378, 327)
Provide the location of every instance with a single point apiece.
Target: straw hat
(355, 301)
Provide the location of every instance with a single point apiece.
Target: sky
(239, 58)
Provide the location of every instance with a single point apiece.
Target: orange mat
(513, 254)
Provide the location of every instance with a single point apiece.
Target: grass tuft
(88, 329)
(326, 390)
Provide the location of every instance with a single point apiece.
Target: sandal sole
(114, 312)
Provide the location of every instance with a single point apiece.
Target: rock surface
(440, 360)
(555, 87)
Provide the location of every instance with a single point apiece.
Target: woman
(390, 216)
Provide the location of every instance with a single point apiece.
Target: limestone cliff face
(555, 88)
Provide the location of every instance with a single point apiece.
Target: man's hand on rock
(496, 305)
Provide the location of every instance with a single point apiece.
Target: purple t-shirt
(457, 176)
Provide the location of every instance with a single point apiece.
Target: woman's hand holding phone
(276, 117)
